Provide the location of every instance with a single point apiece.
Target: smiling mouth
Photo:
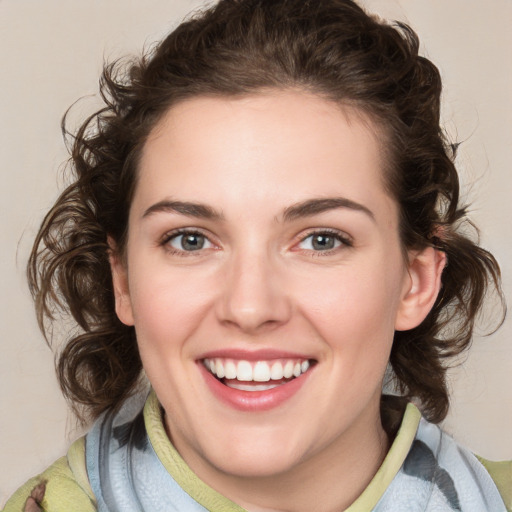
(256, 375)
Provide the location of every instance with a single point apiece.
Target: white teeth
(261, 372)
(230, 370)
(258, 371)
(244, 371)
(288, 370)
(276, 373)
(219, 367)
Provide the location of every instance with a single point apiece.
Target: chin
(258, 466)
(256, 460)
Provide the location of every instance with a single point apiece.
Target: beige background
(51, 54)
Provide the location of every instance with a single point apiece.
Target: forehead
(284, 144)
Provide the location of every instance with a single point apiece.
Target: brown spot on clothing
(33, 503)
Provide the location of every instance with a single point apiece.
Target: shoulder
(62, 487)
(501, 473)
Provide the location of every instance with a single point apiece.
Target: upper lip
(265, 354)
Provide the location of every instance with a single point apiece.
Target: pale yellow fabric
(67, 486)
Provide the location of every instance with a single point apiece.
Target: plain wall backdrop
(51, 54)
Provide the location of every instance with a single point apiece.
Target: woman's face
(263, 246)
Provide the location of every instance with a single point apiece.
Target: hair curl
(328, 47)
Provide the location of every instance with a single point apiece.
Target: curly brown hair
(329, 47)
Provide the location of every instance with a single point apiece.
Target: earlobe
(422, 287)
(120, 284)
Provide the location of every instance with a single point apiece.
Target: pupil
(323, 242)
(192, 242)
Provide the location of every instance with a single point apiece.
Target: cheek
(354, 312)
(168, 308)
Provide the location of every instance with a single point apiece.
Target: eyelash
(345, 241)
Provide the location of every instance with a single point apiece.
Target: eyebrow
(197, 210)
(315, 206)
(299, 210)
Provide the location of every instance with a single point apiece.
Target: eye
(323, 241)
(188, 241)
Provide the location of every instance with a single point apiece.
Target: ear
(420, 288)
(120, 283)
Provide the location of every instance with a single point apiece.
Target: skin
(260, 283)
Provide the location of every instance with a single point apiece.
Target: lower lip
(253, 401)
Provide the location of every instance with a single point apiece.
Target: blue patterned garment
(127, 475)
(438, 475)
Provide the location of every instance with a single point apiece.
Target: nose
(253, 297)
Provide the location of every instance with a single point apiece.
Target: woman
(264, 218)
